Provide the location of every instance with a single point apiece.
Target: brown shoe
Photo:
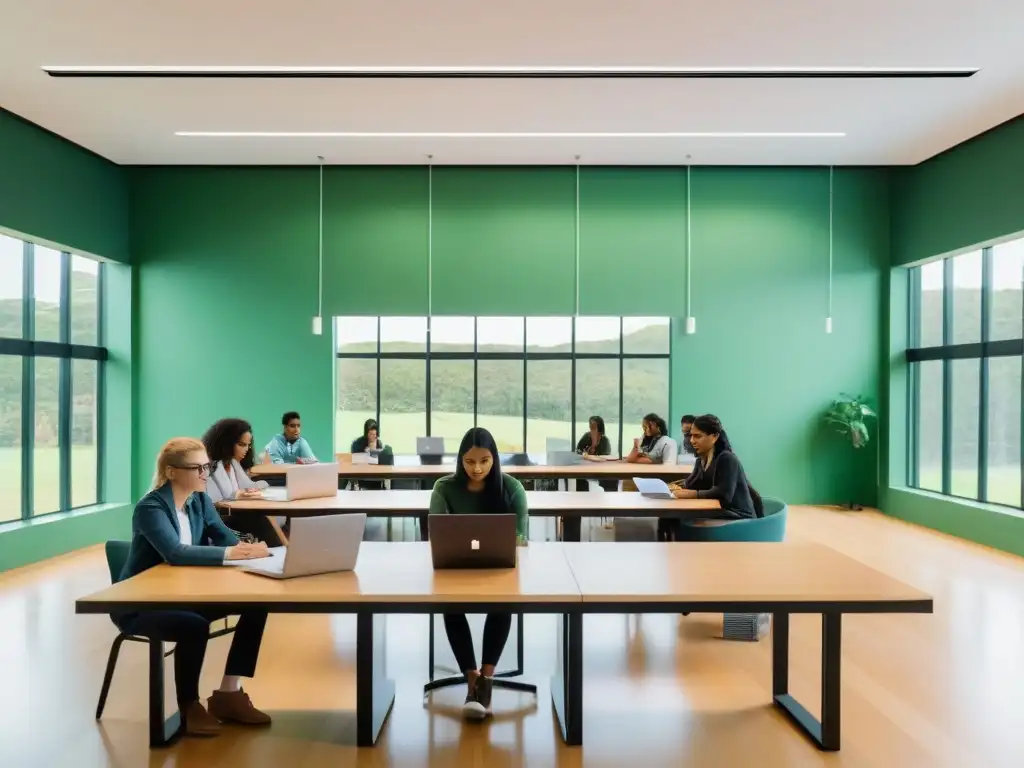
(236, 707)
(198, 722)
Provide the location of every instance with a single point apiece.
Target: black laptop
(473, 541)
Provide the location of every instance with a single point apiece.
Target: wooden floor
(939, 690)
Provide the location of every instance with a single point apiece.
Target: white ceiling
(887, 122)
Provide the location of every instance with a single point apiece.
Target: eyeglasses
(202, 469)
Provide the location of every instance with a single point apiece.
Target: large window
(51, 376)
(532, 381)
(966, 343)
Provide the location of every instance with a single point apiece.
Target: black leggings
(496, 629)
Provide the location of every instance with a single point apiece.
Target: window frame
(524, 355)
(29, 350)
(947, 352)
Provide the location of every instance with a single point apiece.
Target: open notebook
(652, 488)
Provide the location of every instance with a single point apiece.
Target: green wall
(227, 284)
(55, 191)
(971, 194)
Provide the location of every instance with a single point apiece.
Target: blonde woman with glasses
(176, 523)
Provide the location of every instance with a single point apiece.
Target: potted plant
(849, 415)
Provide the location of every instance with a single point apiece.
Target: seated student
(228, 443)
(595, 443)
(686, 452)
(479, 487)
(717, 474)
(175, 523)
(290, 447)
(369, 443)
(656, 447)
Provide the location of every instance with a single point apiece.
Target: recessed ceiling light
(501, 72)
(511, 135)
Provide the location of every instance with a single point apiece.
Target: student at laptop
(479, 487)
(595, 443)
(370, 441)
(656, 447)
(717, 474)
(228, 443)
(686, 452)
(290, 447)
(175, 523)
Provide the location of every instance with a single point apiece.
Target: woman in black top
(718, 474)
(370, 441)
(594, 443)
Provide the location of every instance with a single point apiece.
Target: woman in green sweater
(479, 487)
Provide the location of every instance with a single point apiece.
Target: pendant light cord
(831, 195)
(688, 239)
(320, 260)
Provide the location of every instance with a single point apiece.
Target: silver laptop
(430, 446)
(306, 481)
(316, 545)
(653, 488)
(563, 458)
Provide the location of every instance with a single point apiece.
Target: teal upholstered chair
(771, 527)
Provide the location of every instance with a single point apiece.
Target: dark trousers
(610, 486)
(190, 631)
(496, 629)
(257, 525)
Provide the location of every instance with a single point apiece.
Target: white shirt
(184, 528)
(232, 478)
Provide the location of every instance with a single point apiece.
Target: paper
(276, 553)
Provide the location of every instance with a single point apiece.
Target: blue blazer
(155, 533)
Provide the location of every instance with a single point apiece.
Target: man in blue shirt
(290, 447)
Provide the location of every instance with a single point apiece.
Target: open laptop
(430, 449)
(473, 541)
(653, 488)
(563, 458)
(317, 545)
(306, 481)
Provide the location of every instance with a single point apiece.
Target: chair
(499, 677)
(771, 527)
(117, 556)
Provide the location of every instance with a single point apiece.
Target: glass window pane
(1004, 430)
(549, 406)
(930, 299)
(10, 438)
(499, 404)
(1007, 272)
(549, 334)
(83, 432)
(964, 443)
(403, 334)
(357, 399)
(356, 334)
(452, 334)
(645, 335)
(598, 335)
(597, 394)
(47, 293)
(500, 334)
(967, 298)
(403, 403)
(929, 425)
(451, 400)
(46, 456)
(11, 288)
(85, 291)
(645, 390)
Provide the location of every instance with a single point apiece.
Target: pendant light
(691, 321)
(318, 320)
(577, 243)
(831, 196)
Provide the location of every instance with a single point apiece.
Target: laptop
(306, 481)
(473, 541)
(653, 488)
(430, 449)
(563, 458)
(317, 545)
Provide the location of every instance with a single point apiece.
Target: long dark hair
(652, 418)
(221, 438)
(599, 422)
(494, 484)
(367, 426)
(712, 425)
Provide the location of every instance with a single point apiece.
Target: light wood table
(780, 579)
(389, 578)
(570, 506)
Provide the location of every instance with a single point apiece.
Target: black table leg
(162, 731)
(825, 733)
(567, 682)
(375, 693)
(571, 526)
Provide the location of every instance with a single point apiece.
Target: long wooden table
(410, 468)
(571, 507)
(567, 579)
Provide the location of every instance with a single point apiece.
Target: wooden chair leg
(277, 529)
(108, 676)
